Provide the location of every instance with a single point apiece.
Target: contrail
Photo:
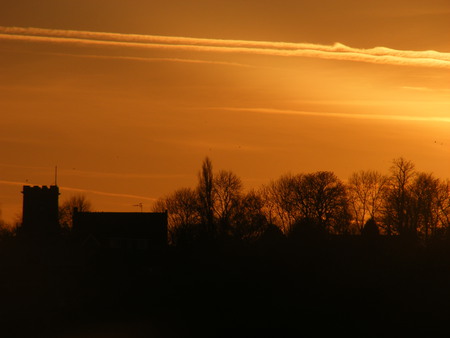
(103, 193)
(339, 115)
(81, 173)
(154, 39)
(96, 192)
(152, 59)
(377, 55)
(15, 183)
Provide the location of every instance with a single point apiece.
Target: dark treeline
(404, 202)
(305, 255)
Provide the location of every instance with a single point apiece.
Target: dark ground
(340, 286)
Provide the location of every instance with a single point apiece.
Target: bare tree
(324, 200)
(227, 190)
(249, 220)
(397, 200)
(205, 190)
(366, 190)
(181, 205)
(320, 197)
(279, 202)
(184, 218)
(66, 209)
(443, 201)
(5, 229)
(425, 206)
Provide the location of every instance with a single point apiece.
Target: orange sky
(262, 87)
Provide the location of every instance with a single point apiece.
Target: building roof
(151, 225)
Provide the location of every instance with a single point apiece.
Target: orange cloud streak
(377, 55)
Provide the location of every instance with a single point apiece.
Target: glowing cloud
(377, 55)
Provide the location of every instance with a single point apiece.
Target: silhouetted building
(370, 229)
(40, 209)
(131, 231)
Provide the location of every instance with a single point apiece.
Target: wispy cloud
(110, 194)
(14, 183)
(153, 59)
(428, 89)
(9, 165)
(211, 145)
(420, 89)
(91, 174)
(377, 55)
(80, 190)
(97, 174)
(339, 115)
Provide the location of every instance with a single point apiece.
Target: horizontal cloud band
(377, 55)
(405, 118)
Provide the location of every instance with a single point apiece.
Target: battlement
(28, 189)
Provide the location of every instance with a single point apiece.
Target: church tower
(40, 209)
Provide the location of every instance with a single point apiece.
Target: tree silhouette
(425, 207)
(183, 215)
(397, 200)
(80, 202)
(213, 208)
(280, 201)
(249, 221)
(227, 188)
(205, 190)
(6, 230)
(443, 201)
(320, 197)
(324, 200)
(406, 203)
(366, 190)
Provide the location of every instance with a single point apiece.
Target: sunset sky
(128, 97)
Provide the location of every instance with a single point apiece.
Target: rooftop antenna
(140, 205)
(56, 175)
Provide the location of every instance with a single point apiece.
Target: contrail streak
(339, 115)
(152, 59)
(103, 193)
(15, 183)
(81, 173)
(377, 55)
(337, 47)
(96, 192)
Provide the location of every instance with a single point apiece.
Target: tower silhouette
(40, 209)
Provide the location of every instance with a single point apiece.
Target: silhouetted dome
(370, 229)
